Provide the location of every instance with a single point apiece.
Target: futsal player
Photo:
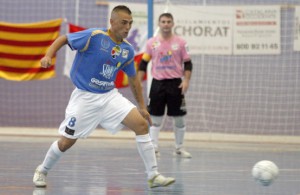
(101, 53)
(171, 72)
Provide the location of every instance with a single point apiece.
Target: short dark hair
(121, 8)
(168, 15)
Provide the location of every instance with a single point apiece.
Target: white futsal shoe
(182, 153)
(160, 181)
(39, 178)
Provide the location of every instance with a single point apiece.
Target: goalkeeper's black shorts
(166, 93)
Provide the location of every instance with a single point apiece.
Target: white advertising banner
(256, 30)
(215, 30)
(297, 29)
(207, 30)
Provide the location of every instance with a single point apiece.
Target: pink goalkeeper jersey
(167, 57)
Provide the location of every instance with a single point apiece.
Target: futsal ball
(265, 172)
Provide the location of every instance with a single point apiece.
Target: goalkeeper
(171, 71)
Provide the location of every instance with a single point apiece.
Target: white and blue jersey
(98, 60)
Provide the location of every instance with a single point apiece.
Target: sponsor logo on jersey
(155, 45)
(104, 85)
(105, 43)
(125, 53)
(108, 71)
(115, 51)
(166, 57)
(175, 46)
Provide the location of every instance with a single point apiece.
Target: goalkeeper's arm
(142, 69)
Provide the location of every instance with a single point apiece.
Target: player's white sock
(154, 133)
(51, 157)
(146, 150)
(179, 136)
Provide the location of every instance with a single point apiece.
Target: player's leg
(53, 154)
(177, 109)
(139, 125)
(119, 112)
(156, 108)
(80, 120)
(179, 132)
(154, 130)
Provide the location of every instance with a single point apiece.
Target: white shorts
(86, 111)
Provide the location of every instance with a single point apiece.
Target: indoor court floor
(97, 166)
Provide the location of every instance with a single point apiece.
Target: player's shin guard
(179, 136)
(52, 156)
(154, 133)
(147, 153)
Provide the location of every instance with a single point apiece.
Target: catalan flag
(122, 78)
(23, 45)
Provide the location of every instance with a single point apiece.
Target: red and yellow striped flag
(23, 45)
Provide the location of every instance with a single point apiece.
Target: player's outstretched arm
(54, 47)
